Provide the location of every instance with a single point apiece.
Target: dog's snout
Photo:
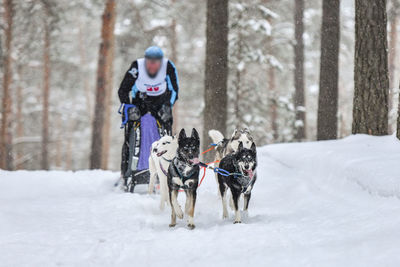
(246, 166)
(155, 150)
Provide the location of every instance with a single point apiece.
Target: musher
(153, 84)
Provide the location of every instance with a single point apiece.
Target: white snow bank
(370, 162)
(332, 203)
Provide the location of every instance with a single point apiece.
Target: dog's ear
(240, 147)
(182, 134)
(250, 137)
(195, 134)
(254, 148)
(246, 130)
(234, 134)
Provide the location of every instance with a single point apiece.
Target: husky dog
(183, 173)
(226, 146)
(242, 168)
(162, 153)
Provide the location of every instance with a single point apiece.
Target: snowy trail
(331, 203)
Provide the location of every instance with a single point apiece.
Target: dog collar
(167, 160)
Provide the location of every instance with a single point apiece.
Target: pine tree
(104, 63)
(6, 123)
(108, 104)
(174, 57)
(46, 89)
(328, 83)
(299, 96)
(371, 82)
(216, 74)
(393, 19)
(398, 118)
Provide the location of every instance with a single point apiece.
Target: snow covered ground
(334, 203)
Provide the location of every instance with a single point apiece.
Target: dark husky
(242, 167)
(183, 172)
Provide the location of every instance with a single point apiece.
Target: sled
(139, 136)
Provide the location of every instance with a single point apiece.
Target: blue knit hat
(153, 52)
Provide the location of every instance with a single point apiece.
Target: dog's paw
(179, 212)
(172, 225)
(225, 215)
(235, 222)
(191, 226)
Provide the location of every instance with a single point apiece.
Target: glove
(165, 113)
(134, 114)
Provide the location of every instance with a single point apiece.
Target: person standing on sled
(153, 84)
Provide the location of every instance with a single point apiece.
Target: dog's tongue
(250, 173)
(159, 154)
(195, 161)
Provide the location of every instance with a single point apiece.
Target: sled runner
(139, 135)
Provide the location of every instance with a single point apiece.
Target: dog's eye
(167, 142)
(163, 144)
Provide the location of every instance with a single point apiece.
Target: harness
(184, 178)
(236, 175)
(244, 187)
(162, 168)
(223, 172)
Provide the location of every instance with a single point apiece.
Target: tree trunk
(299, 96)
(69, 143)
(58, 144)
(174, 58)
(109, 89)
(371, 82)
(46, 94)
(273, 103)
(19, 120)
(237, 100)
(327, 125)
(83, 62)
(216, 73)
(105, 54)
(392, 52)
(392, 58)
(107, 118)
(398, 118)
(6, 123)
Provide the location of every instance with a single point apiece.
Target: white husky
(162, 153)
(227, 146)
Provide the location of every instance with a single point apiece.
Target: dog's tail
(216, 136)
